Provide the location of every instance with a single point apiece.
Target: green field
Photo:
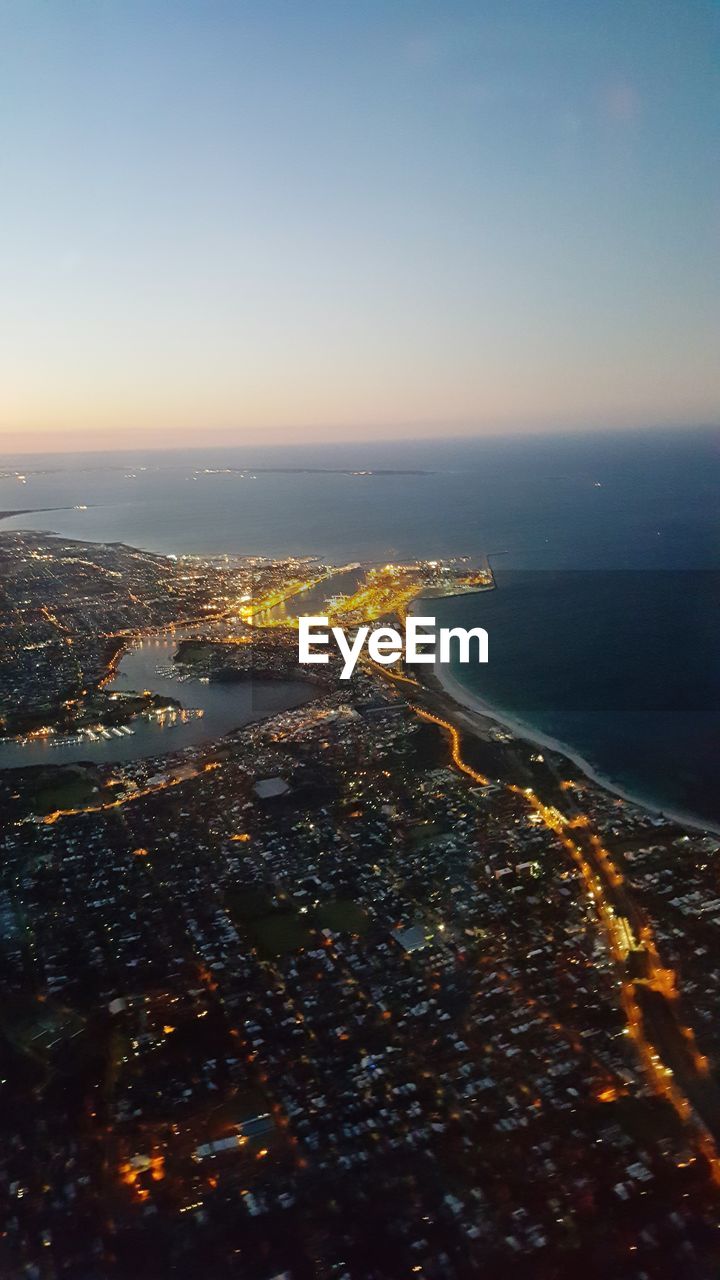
(68, 793)
(280, 932)
(191, 654)
(342, 916)
(248, 904)
(277, 930)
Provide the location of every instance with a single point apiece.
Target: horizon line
(520, 434)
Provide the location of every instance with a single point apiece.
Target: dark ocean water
(604, 628)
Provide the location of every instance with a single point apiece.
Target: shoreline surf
(487, 715)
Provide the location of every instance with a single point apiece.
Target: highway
(672, 1063)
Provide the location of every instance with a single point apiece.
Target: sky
(226, 221)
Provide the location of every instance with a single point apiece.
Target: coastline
(29, 511)
(482, 716)
(470, 711)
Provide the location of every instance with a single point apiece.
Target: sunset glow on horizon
(232, 223)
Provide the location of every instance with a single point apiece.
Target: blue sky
(275, 221)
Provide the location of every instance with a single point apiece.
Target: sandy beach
(481, 718)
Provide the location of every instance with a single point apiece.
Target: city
(353, 991)
(359, 661)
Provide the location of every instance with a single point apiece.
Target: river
(148, 665)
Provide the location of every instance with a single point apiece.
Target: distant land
(29, 511)
(311, 471)
(220, 471)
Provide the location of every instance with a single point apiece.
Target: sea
(603, 629)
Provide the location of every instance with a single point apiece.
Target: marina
(205, 712)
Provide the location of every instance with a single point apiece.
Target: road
(672, 1063)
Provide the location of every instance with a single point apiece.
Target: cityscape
(359, 644)
(361, 989)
